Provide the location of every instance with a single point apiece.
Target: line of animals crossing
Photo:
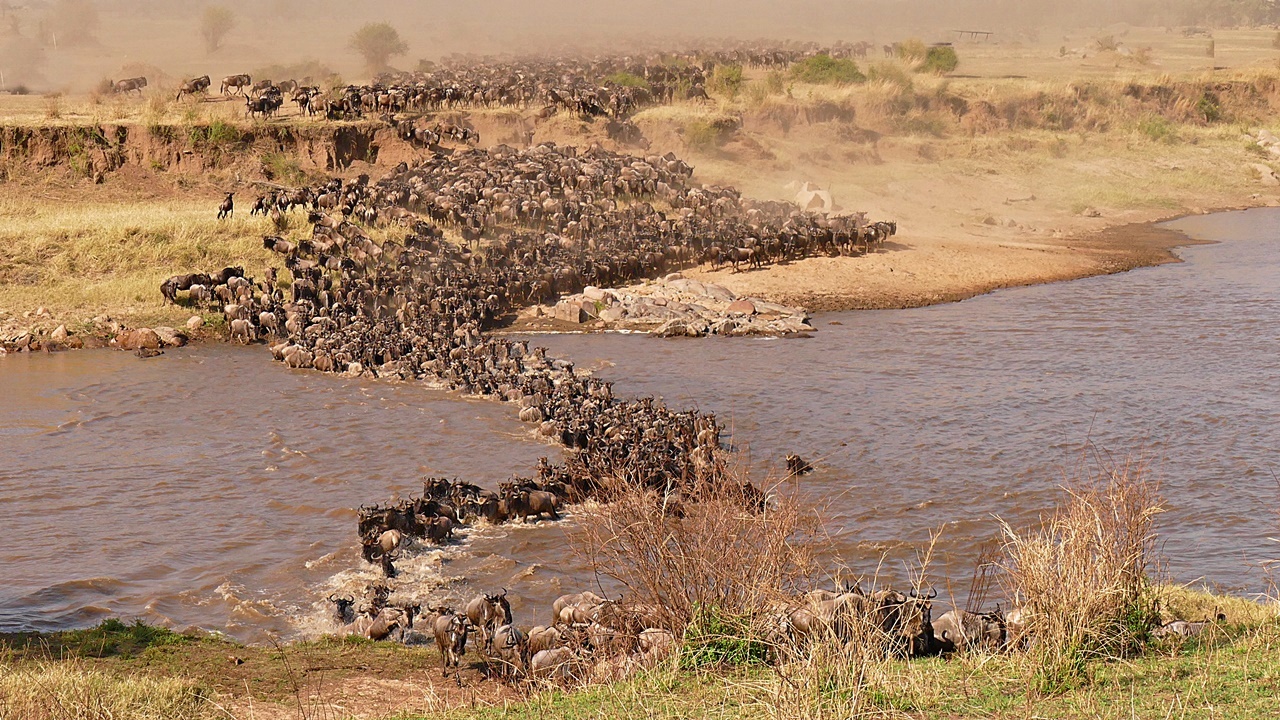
(535, 224)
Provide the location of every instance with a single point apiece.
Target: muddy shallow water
(213, 487)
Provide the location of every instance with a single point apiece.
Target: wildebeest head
(343, 608)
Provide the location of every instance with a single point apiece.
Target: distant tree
(71, 22)
(214, 26)
(378, 43)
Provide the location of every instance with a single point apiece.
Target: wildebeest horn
(332, 599)
(504, 592)
(932, 594)
(913, 593)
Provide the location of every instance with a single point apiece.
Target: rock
(570, 311)
(672, 277)
(75, 343)
(42, 312)
(138, 338)
(671, 328)
(659, 301)
(355, 369)
(195, 322)
(1091, 213)
(612, 314)
(989, 220)
(1266, 174)
(593, 293)
(59, 334)
(719, 293)
(171, 337)
(741, 307)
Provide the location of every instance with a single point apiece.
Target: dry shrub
(53, 106)
(1082, 577)
(716, 555)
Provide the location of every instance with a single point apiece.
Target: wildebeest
(960, 630)
(487, 612)
(193, 86)
(509, 646)
(130, 85)
(450, 632)
(237, 83)
(533, 503)
(264, 105)
(577, 608)
(1187, 628)
(344, 608)
(227, 207)
(555, 664)
(797, 465)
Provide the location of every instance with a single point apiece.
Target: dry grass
(1081, 578)
(67, 690)
(718, 558)
(79, 260)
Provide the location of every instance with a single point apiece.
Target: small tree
(215, 25)
(378, 43)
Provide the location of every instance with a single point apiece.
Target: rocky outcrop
(680, 307)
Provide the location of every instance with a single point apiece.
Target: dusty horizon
(72, 45)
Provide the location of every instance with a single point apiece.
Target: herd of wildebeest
(476, 234)
(613, 85)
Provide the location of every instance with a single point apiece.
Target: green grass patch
(726, 80)
(626, 79)
(1157, 128)
(826, 70)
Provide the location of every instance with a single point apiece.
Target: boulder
(59, 334)
(593, 293)
(671, 328)
(195, 322)
(741, 307)
(612, 314)
(138, 338)
(570, 311)
(171, 337)
(719, 293)
(1266, 174)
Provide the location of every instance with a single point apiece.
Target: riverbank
(139, 671)
(91, 230)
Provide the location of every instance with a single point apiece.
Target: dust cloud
(72, 45)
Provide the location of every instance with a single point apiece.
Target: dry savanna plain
(1031, 162)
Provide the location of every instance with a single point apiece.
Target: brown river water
(214, 488)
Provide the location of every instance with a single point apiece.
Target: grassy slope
(139, 671)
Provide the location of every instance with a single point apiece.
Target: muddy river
(211, 487)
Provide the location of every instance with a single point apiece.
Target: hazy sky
(38, 39)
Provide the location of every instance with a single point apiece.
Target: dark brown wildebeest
(130, 85)
(193, 86)
(236, 83)
(450, 630)
(227, 207)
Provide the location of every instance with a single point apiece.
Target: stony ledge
(676, 306)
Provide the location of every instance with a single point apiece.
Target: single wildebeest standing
(227, 207)
(450, 630)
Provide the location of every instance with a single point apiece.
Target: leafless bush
(716, 554)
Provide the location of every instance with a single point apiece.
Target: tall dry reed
(716, 555)
(1081, 578)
